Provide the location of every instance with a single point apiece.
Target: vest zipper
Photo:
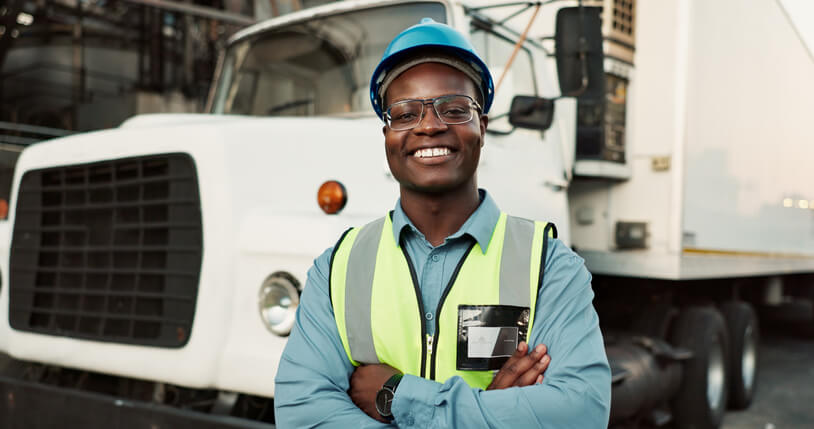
(429, 346)
(434, 339)
(424, 344)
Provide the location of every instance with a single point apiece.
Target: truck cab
(164, 259)
(161, 263)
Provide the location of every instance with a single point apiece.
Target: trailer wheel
(701, 400)
(654, 320)
(745, 335)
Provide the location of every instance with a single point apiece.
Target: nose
(430, 123)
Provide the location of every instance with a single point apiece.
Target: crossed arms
(315, 377)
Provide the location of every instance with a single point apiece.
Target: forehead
(430, 80)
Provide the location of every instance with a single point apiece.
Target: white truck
(151, 272)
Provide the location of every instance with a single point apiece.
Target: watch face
(383, 400)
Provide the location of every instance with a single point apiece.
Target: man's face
(441, 173)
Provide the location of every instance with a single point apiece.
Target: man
(405, 319)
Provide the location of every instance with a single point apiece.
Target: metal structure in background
(59, 56)
(79, 65)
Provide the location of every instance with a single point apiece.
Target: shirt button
(435, 258)
(428, 316)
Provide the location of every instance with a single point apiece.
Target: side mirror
(531, 112)
(580, 57)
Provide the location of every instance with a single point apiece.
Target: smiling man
(445, 312)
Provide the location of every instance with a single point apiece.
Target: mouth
(431, 152)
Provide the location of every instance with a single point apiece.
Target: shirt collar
(480, 224)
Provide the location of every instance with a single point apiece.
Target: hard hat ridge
(429, 41)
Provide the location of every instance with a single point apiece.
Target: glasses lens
(454, 109)
(404, 114)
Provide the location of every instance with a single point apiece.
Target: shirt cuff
(413, 405)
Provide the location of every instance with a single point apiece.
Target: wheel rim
(715, 375)
(749, 358)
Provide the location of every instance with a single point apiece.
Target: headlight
(279, 298)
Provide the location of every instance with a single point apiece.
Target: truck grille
(108, 251)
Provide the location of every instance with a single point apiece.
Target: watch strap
(393, 382)
(385, 396)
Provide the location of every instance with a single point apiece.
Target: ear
(384, 130)
(484, 122)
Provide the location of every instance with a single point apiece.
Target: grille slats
(109, 251)
(101, 207)
(104, 293)
(119, 226)
(119, 184)
(34, 268)
(57, 248)
(110, 316)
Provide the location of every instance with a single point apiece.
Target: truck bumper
(28, 405)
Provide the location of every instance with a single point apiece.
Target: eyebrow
(425, 98)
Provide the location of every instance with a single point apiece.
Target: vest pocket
(488, 335)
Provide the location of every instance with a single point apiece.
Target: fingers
(522, 369)
(535, 373)
(505, 377)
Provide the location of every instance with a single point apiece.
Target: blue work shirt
(314, 372)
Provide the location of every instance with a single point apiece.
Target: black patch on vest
(549, 227)
(331, 265)
(489, 334)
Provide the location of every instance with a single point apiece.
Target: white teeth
(430, 152)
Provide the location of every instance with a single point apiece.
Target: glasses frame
(424, 101)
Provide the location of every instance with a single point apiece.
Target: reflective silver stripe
(358, 292)
(515, 263)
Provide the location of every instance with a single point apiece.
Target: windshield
(319, 67)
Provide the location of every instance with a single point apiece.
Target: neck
(438, 216)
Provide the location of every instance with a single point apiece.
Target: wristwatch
(384, 397)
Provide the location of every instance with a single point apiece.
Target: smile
(431, 152)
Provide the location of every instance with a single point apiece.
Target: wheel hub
(715, 375)
(749, 358)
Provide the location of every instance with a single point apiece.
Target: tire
(744, 334)
(654, 320)
(702, 398)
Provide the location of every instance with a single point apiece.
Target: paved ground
(785, 393)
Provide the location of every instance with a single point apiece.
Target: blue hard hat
(430, 34)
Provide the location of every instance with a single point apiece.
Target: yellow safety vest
(377, 302)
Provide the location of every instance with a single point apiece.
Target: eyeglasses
(450, 109)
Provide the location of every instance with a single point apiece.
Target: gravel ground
(785, 392)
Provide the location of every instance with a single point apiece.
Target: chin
(435, 188)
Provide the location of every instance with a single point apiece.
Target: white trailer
(160, 262)
(708, 211)
(718, 160)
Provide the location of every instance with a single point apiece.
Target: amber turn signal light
(3, 208)
(332, 197)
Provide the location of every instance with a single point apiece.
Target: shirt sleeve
(575, 392)
(314, 373)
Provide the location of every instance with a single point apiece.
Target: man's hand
(365, 383)
(522, 368)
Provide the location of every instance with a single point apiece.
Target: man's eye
(454, 111)
(406, 116)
